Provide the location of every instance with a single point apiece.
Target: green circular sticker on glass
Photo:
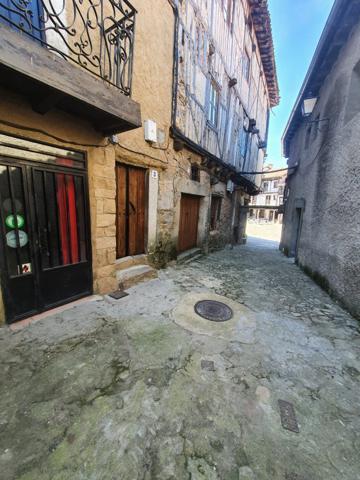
(10, 221)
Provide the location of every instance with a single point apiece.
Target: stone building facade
(119, 173)
(322, 208)
(265, 206)
(225, 84)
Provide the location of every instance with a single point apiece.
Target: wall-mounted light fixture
(307, 109)
(308, 105)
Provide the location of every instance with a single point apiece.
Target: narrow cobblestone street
(141, 389)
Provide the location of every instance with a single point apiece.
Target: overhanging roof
(344, 16)
(262, 24)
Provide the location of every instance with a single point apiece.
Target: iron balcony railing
(98, 35)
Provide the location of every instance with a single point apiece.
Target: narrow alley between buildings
(144, 388)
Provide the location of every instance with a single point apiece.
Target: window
(195, 173)
(267, 199)
(213, 105)
(266, 186)
(246, 66)
(274, 197)
(215, 212)
(275, 184)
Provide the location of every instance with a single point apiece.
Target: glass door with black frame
(45, 235)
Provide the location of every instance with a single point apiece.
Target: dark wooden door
(130, 209)
(44, 237)
(189, 219)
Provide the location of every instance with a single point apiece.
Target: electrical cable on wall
(71, 142)
(269, 171)
(59, 139)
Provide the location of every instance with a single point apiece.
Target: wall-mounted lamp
(308, 106)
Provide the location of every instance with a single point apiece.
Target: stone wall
(102, 187)
(222, 234)
(60, 129)
(326, 185)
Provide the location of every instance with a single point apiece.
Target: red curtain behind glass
(66, 201)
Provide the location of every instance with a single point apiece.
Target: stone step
(193, 259)
(184, 257)
(134, 275)
(130, 261)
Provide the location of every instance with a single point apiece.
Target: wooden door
(130, 208)
(189, 219)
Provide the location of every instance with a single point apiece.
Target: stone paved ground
(268, 231)
(120, 391)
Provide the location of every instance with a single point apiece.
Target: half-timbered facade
(225, 85)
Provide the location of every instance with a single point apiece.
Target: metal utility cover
(118, 294)
(288, 418)
(213, 310)
(208, 365)
(292, 476)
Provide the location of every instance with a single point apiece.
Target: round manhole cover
(213, 310)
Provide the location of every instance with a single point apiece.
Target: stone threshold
(14, 327)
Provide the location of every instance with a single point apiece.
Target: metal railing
(98, 35)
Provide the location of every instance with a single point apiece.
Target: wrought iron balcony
(98, 35)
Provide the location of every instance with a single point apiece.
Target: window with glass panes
(213, 104)
(243, 141)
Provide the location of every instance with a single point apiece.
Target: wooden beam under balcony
(49, 81)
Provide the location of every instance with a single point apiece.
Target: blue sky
(297, 26)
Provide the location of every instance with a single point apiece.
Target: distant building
(321, 141)
(271, 195)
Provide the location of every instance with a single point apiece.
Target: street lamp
(308, 106)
